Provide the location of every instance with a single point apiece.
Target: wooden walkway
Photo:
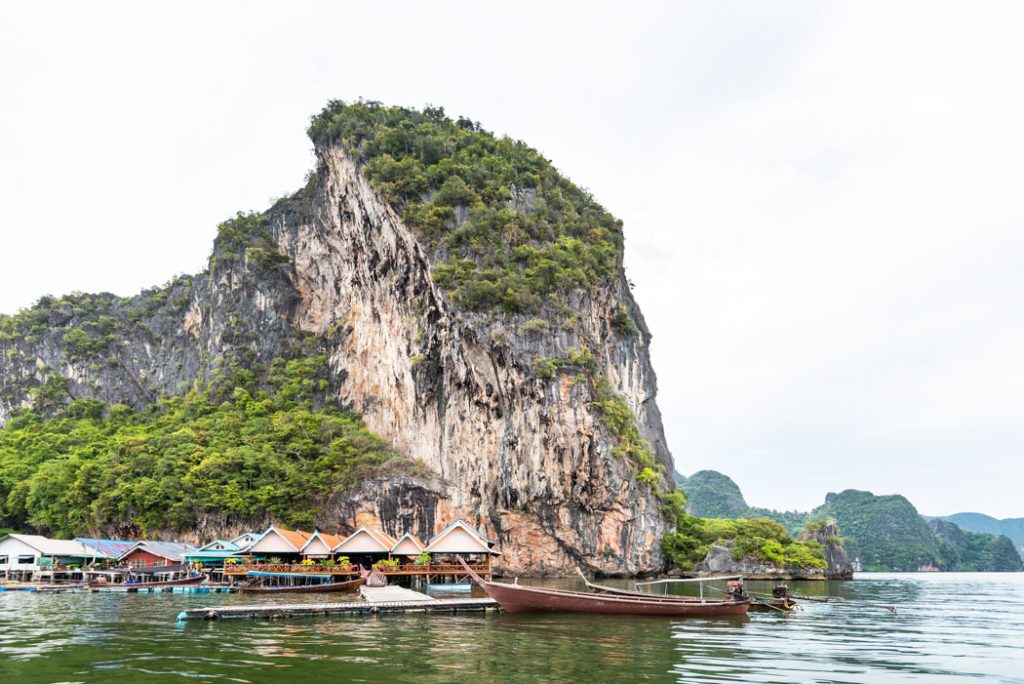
(375, 600)
(391, 594)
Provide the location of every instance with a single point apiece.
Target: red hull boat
(520, 599)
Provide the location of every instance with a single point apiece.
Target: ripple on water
(949, 628)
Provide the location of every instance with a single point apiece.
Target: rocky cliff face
(525, 457)
(827, 534)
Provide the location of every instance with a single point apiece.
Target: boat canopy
(259, 573)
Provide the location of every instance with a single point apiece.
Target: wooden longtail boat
(784, 605)
(327, 587)
(198, 579)
(603, 589)
(519, 599)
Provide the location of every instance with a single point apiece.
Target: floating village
(276, 559)
(382, 573)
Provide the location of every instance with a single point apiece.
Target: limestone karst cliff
(511, 410)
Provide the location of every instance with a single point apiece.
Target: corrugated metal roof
(173, 551)
(54, 547)
(111, 548)
(228, 546)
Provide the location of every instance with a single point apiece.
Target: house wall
(362, 542)
(216, 547)
(140, 558)
(458, 541)
(12, 548)
(244, 540)
(272, 543)
(407, 548)
(317, 547)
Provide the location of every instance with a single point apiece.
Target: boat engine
(734, 590)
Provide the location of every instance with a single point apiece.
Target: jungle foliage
(885, 533)
(231, 449)
(758, 537)
(516, 232)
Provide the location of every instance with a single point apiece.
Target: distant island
(879, 533)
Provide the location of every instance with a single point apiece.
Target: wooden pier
(375, 600)
(428, 570)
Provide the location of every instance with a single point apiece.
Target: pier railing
(292, 568)
(403, 569)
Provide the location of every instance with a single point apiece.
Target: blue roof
(108, 547)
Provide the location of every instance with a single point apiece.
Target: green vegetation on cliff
(710, 494)
(516, 232)
(1013, 528)
(885, 533)
(761, 538)
(973, 551)
(236, 449)
(713, 495)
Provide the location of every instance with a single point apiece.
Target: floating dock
(375, 600)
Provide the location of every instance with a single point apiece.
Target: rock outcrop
(827, 534)
(719, 561)
(527, 458)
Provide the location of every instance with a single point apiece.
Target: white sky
(822, 200)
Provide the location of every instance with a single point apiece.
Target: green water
(949, 628)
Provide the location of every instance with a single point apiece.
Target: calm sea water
(949, 628)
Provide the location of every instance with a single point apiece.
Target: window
(3, 560)
(26, 560)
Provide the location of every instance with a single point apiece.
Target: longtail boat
(198, 579)
(519, 599)
(736, 589)
(185, 581)
(326, 587)
(780, 600)
(373, 577)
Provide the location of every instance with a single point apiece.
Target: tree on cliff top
(516, 232)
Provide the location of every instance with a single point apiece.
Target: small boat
(185, 581)
(780, 600)
(450, 588)
(518, 599)
(198, 579)
(373, 577)
(784, 605)
(325, 587)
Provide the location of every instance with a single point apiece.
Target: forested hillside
(884, 533)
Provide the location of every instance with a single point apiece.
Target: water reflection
(949, 628)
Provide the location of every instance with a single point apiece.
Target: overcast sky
(822, 201)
